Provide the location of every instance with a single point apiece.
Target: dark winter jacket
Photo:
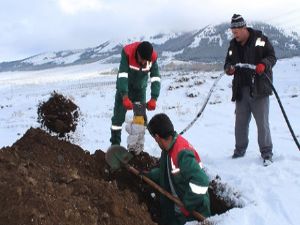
(258, 49)
(132, 76)
(188, 177)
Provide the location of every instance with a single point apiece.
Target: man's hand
(230, 70)
(151, 105)
(184, 211)
(260, 68)
(127, 103)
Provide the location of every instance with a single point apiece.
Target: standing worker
(180, 172)
(250, 89)
(137, 61)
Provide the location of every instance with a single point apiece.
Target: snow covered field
(270, 195)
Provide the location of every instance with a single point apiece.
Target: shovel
(117, 156)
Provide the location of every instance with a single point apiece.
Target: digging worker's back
(138, 60)
(180, 173)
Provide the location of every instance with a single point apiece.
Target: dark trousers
(259, 108)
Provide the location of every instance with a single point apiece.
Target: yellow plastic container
(139, 120)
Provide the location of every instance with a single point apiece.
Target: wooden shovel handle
(176, 200)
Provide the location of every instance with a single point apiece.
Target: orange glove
(184, 211)
(260, 68)
(151, 105)
(127, 103)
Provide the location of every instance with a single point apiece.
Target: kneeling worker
(180, 173)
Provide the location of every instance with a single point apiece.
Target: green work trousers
(135, 95)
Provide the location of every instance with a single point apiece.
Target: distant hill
(207, 45)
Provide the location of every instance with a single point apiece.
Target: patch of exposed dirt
(58, 114)
(44, 180)
(47, 181)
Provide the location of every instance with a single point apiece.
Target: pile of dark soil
(47, 181)
(59, 114)
(44, 180)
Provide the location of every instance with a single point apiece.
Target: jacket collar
(174, 138)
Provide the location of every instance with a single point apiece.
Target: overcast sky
(30, 27)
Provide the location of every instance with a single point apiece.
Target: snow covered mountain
(208, 44)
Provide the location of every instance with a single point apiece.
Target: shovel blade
(116, 156)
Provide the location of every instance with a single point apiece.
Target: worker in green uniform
(180, 172)
(138, 60)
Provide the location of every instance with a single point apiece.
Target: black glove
(229, 69)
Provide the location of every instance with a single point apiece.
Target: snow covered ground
(269, 195)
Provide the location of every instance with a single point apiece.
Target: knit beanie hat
(161, 125)
(237, 21)
(145, 50)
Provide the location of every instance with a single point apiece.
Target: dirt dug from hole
(58, 114)
(47, 181)
(44, 180)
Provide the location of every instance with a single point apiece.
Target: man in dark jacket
(137, 61)
(250, 59)
(180, 173)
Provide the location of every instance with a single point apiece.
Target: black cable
(204, 105)
(250, 66)
(284, 114)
